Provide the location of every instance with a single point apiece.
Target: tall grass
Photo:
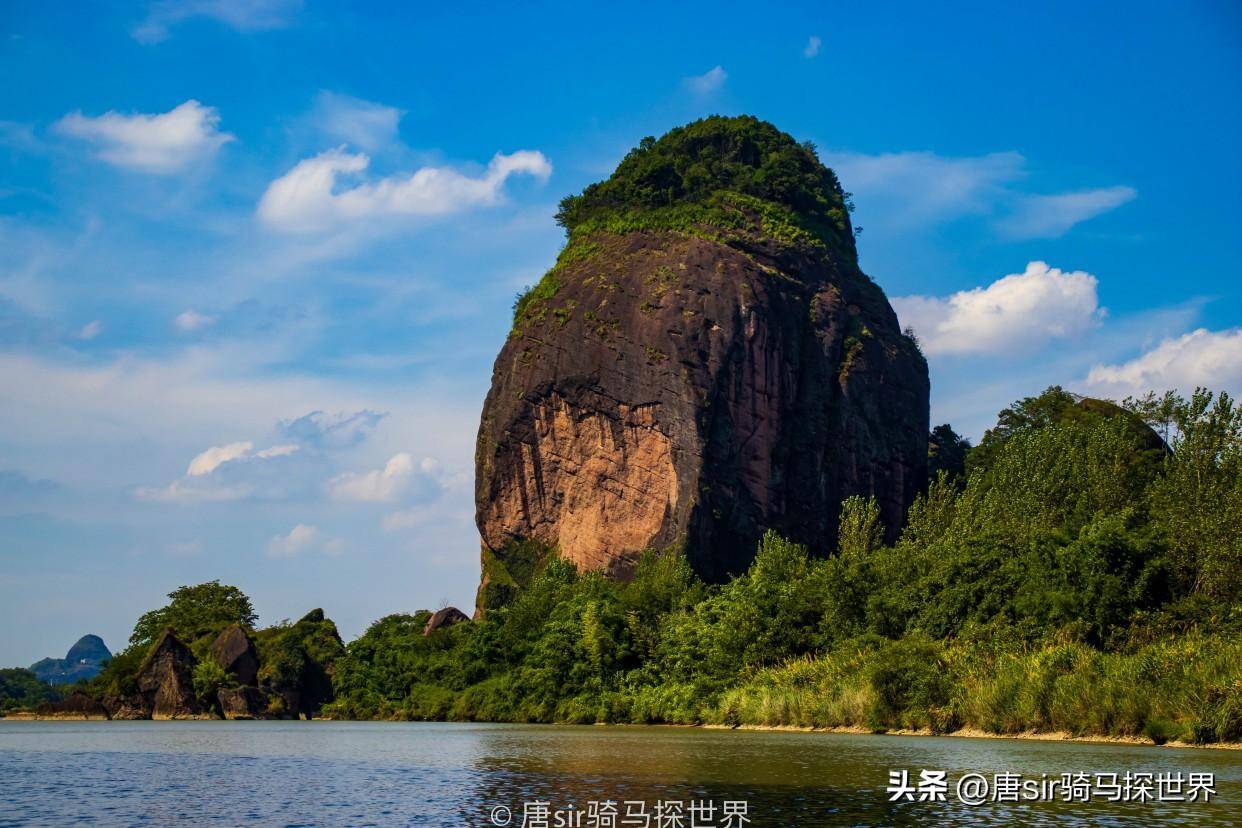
(1188, 689)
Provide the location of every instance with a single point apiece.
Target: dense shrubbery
(1082, 578)
(723, 178)
(20, 688)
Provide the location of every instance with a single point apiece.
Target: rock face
(446, 617)
(699, 383)
(242, 703)
(166, 680)
(84, 660)
(235, 653)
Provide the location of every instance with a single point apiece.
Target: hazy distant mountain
(84, 660)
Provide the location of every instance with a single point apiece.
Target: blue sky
(256, 258)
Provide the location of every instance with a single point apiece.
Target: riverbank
(975, 733)
(961, 733)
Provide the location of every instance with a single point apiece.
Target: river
(358, 773)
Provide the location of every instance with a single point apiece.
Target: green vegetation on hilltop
(723, 178)
(1078, 582)
(714, 164)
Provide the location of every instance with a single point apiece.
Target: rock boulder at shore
(706, 361)
(166, 680)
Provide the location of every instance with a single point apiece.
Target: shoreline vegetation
(1079, 572)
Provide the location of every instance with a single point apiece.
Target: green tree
(946, 452)
(1197, 502)
(860, 528)
(196, 611)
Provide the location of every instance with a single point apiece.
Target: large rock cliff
(705, 361)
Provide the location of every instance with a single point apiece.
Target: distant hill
(83, 661)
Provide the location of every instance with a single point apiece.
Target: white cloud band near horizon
(305, 199)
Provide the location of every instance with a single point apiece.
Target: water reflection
(335, 773)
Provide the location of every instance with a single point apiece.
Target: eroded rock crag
(701, 365)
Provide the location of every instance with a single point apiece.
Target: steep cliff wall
(704, 362)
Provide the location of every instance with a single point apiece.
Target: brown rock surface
(446, 617)
(234, 651)
(166, 679)
(242, 703)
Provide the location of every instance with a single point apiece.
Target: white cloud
(709, 82)
(90, 330)
(242, 15)
(1212, 359)
(923, 186)
(276, 451)
(191, 320)
(377, 486)
(211, 459)
(303, 200)
(1019, 310)
(1049, 216)
(339, 430)
(217, 474)
(364, 124)
(161, 144)
(902, 189)
(812, 46)
(301, 538)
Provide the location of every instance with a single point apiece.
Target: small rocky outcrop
(74, 706)
(242, 703)
(234, 651)
(446, 617)
(166, 680)
(706, 361)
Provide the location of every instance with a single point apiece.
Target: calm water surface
(356, 774)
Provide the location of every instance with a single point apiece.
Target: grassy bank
(1185, 690)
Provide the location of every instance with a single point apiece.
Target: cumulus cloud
(242, 15)
(304, 199)
(301, 539)
(339, 430)
(1049, 216)
(377, 486)
(364, 124)
(189, 321)
(1019, 310)
(160, 144)
(812, 46)
(709, 82)
(919, 188)
(1212, 359)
